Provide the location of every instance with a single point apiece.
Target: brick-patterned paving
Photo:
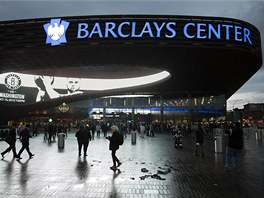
(57, 172)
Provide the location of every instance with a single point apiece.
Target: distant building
(235, 115)
(254, 112)
(251, 113)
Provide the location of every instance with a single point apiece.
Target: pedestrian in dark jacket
(80, 138)
(83, 137)
(234, 146)
(114, 146)
(11, 140)
(93, 130)
(199, 140)
(87, 138)
(24, 137)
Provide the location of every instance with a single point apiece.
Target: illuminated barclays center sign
(56, 30)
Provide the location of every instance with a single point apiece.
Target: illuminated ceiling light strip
(106, 84)
(202, 101)
(129, 96)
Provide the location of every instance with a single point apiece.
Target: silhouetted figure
(24, 136)
(65, 130)
(234, 146)
(98, 130)
(151, 130)
(199, 140)
(104, 129)
(46, 129)
(114, 146)
(142, 130)
(87, 139)
(93, 130)
(83, 137)
(54, 131)
(69, 126)
(11, 140)
(35, 128)
(50, 131)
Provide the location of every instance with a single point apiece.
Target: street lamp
(234, 108)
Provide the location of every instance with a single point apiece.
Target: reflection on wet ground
(82, 169)
(151, 168)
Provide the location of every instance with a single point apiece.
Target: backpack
(120, 139)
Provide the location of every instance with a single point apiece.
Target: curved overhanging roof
(204, 55)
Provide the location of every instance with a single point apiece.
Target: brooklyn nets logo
(12, 81)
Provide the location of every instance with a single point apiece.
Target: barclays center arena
(124, 67)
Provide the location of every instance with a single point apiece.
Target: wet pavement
(151, 168)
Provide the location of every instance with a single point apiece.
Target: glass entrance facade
(149, 107)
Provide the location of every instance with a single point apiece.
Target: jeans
(230, 153)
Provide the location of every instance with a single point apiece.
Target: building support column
(104, 108)
(190, 108)
(161, 109)
(133, 109)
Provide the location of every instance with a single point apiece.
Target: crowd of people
(87, 132)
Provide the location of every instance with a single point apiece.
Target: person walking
(114, 146)
(80, 138)
(87, 138)
(98, 129)
(104, 129)
(151, 130)
(234, 146)
(24, 137)
(46, 129)
(142, 130)
(50, 131)
(93, 130)
(11, 140)
(199, 140)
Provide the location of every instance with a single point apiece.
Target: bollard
(61, 140)
(133, 137)
(218, 144)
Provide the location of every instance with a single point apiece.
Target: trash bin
(218, 144)
(258, 134)
(133, 137)
(61, 140)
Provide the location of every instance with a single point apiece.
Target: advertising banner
(27, 88)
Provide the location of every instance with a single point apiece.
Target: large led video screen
(27, 88)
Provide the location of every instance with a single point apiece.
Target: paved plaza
(57, 172)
